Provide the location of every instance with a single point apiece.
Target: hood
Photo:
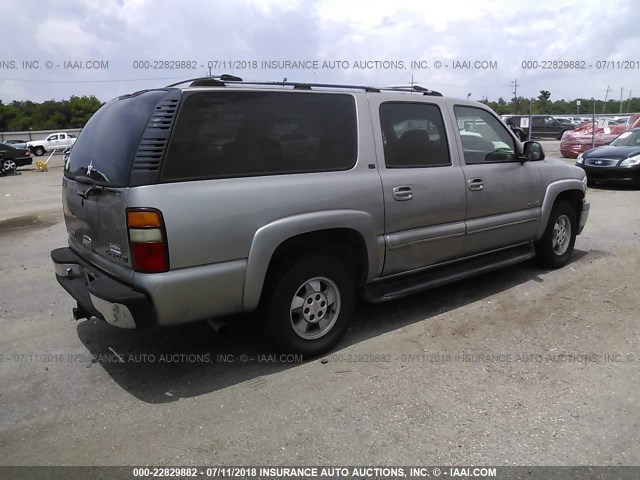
(607, 151)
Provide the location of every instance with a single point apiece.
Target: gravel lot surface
(521, 366)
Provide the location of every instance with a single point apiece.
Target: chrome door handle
(402, 193)
(475, 184)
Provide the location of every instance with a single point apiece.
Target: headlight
(631, 161)
(580, 159)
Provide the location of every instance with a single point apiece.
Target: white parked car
(56, 141)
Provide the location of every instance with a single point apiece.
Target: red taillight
(147, 240)
(149, 257)
(27, 153)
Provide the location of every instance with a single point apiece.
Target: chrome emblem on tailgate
(115, 252)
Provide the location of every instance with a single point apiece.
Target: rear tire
(9, 167)
(556, 245)
(308, 304)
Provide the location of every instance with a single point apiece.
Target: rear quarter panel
(209, 222)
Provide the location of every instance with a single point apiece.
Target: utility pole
(629, 102)
(621, 90)
(530, 121)
(606, 94)
(515, 93)
(593, 127)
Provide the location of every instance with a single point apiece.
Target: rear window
(104, 150)
(236, 134)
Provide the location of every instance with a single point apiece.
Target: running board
(397, 287)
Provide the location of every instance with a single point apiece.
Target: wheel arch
(316, 231)
(571, 190)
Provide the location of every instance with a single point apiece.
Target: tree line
(48, 115)
(543, 105)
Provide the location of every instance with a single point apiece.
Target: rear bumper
(100, 295)
(24, 161)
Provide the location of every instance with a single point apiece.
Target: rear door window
(238, 134)
(104, 151)
(414, 135)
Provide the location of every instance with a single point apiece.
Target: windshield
(627, 139)
(104, 150)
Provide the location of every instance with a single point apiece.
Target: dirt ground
(521, 366)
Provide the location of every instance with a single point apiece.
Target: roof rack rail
(215, 80)
(412, 88)
(307, 86)
(226, 79)
(222, 80)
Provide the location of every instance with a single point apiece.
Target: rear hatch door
(122, 145)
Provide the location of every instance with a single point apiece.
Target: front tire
(38, 151)
(309, 304)
(556, 245)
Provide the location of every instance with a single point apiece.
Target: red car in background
(577, 141)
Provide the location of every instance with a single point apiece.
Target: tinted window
(109, 140)
(484, 138)
(413, 135)
(233, 134)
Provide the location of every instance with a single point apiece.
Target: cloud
(124, 31)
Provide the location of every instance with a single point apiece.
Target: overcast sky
(506, 32)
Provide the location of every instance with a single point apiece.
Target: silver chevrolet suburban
(225, 196)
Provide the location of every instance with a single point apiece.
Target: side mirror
(531, 152)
